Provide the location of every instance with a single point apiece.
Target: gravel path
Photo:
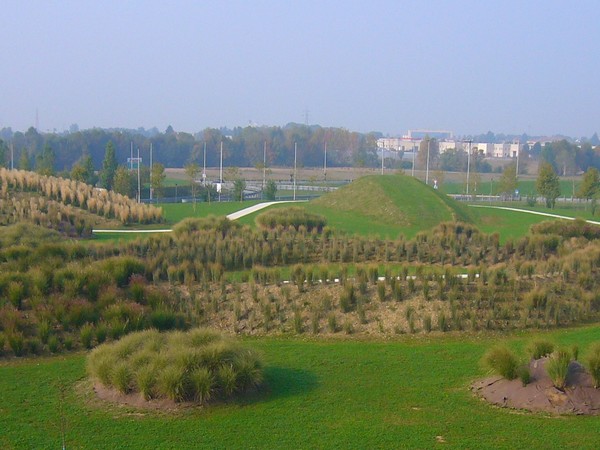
(537, 213)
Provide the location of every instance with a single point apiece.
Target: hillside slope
(388, 205)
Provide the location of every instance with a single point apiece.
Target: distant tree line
(53, 153)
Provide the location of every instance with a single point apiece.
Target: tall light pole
(12, 155)
(518, 151)
(221, 172)
(468, 165)
(264, 165)
(151, 189)
(204, 167)
(325, 164)
(138, 176)
(382, 154)
(295, 160)
(427, 169)
(414, 152)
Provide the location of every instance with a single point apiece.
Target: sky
(466, 66)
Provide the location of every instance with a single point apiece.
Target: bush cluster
(198, 365)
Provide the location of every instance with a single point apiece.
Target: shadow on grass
(281, 382)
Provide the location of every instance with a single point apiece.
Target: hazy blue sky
(467, 66)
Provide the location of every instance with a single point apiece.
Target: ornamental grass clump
(501, 361)
(593, 363)
(557, 367)
(540, 348)
(198, 365)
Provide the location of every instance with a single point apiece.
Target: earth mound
(579, 396)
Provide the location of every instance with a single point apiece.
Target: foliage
(557, 367)
(270, 190)
(109, 166)
(593, 363)
(502, 361)
(157, 179)
(547, 184)
(540, 348)
(180, 366)
(291, 217)
(508, 181)
(567, 228)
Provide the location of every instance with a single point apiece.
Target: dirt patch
(136, 400)
(579, 396)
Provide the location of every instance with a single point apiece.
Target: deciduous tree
(547, 184)
(109, 166)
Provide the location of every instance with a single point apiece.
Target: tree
(547, 184)
(508, 180)
(3, 153)
(192, 170)
(109, 166)
(157, 179)
(83, 170)
(45, 161)
(239, 185)
(590, 187)
(270, 190)
(124, 182)
(24, 163)
(426, 145)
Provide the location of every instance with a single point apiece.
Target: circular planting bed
(577, 397)
(163, 370)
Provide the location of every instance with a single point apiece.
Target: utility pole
(295, 159)
(414, 151)
(518, 151)
(325, 164)
(469, 165)
(151, 187)
(427, 170)
(264, 165)
(221, 172)
(138, 176)
(12, 155)
(204, 167)
(382, 155)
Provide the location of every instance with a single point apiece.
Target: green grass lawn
(526, 187)
(320, 394)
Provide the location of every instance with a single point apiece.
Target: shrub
(2, 339)
(196, 365)
(593, 363)
(201, 383)
(53, 344)
(291, 217)
(86, 334)
(332, 322)
(557, 367)
(502, 361)
(524, 374)
(16, 341)
(540, 348)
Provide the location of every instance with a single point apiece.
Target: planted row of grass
(195, 366)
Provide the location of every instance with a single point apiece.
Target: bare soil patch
(579, 396)
(137, 400)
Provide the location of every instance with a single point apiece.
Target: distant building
(447, 142)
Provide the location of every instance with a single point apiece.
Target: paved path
(232, 216)
(258, 207)
(537, 213)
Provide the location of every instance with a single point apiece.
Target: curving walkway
(232, 216)
(537, 213)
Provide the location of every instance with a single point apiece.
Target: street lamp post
(427, 169)
(414, 151)
(295, 159)
(468, 166)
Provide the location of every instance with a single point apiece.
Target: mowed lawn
(410, 393)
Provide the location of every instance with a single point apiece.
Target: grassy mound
(398, 202)
(198, 365)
